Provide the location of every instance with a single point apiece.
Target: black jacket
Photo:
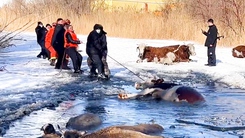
(58, 37)
(41, 33)
(211, 36)
(96, 43)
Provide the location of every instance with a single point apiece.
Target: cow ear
(154, 81)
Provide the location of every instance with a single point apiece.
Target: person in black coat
(96, 48)
(41, 33)
(211, 42)
(58, 44)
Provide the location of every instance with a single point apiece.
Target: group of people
(59, 42)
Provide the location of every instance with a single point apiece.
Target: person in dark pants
(41, 33)
(211, 42)
(71, 45)
(96, 48)
(58, 44)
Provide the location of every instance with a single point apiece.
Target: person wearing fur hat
(96, 49)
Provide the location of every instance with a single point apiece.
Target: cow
(120, 131)
(166, 54)
(168, 59)
(158, 89)
(239, 51)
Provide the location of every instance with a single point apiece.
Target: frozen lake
(32, 93)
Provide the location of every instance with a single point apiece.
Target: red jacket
(71, 39)
(48, 37)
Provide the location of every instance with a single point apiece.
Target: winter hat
(98, 26)
(67, 21)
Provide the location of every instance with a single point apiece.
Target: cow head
(141, 48)
(191, 49)
(147, 84)
(48, 129)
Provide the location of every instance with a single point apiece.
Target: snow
(24, 75)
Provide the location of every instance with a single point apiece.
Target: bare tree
(12, 16)
(229, 12)
(233, 15)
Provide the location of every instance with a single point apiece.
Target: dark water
(223, 107)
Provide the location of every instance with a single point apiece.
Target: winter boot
(39, 55)
(93, 74)
(64, 66)
(107, 73)
(44, 56)
(79, 71)
(52, 62)
(102, 77)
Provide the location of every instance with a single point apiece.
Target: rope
(177, 48)
(176, 51)
(126, 68)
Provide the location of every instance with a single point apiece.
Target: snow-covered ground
(26, 71)
(27, 83)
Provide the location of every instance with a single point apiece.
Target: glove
(204, 32)
(104, 53)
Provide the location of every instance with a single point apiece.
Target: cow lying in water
(137, 131)
(239, 51)
(166, 91)
(166, 54)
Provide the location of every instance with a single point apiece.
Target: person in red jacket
(48, 39)
(71, 45)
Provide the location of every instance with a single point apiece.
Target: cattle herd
(77, 126)
(153, 89)
(167, 55)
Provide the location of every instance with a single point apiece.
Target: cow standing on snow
(167, 54)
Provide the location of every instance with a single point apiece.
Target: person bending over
(96, 48)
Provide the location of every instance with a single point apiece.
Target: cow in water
(165, 91)
(136, 131)
(166, 54)
(239, 51)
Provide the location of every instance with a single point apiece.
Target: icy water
(223, 107)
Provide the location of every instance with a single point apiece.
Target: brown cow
(239, 51)
(136, 131)
(181, 52)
